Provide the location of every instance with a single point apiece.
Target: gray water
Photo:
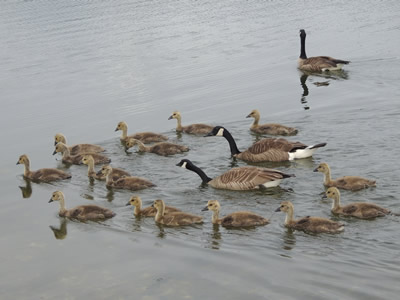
(80, 67)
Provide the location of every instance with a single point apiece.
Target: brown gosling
(272, 128)
(175, 218)
(191, 129)
(46, 175)
(77, 159)
(352, 183)
(81, 212)
(150, 211)
(88, 160)
(79, 148)
(163, 148)
(144, 137)
(308, 224)
(236, 219)
(360, 210)
(129, 182)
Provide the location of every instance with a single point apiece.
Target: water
(81, 67)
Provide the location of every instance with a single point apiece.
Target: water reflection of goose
(60, 233)
(27, 189)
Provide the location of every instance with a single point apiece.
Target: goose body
(117, 173)
(77, 159)
(242, 178)
(174, 218)
(150, 211)
(45, 175)
(129, 182)
(144, 137)
(272, 128)
(79, 148)
(191, 129)
(163, 148)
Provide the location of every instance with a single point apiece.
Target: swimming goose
(163, 148)
(129, 182)
(150, 211)
(81, 212)
(191, 129)
(79, 148)
(178, 218)
(77, 159)
(144, 137)
(46, 175)
(272, 128)
(268, 149)
(362, 210)
(317, 63)
(308, 224)
(236, 219)
(88, 160)
(242, 178)
(352, 183)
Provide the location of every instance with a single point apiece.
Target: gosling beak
(55, 143)
(152, 205)
(205, 208)
(278, 209)
(116, 129)
(55, 152)
(325, 196)
(316, 169)
(209, 134)
(51, 200)
(170, 117)
(128, 204)
(248, 116)
(17, 163)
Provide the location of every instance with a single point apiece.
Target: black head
(183, 163)
(216, 131)
(302, 32)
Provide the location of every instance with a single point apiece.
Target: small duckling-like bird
(308, 224)
(272, 128)
(175, 218)
(144, 137)
(129, 182)
(88, 160)
(46, 175)
(191, 129)
(242, 178)
(236, 219)
(77, 159)
(79, 148)
(317, 63)
(150, 211)
(268, 149)
(352, 183)
(81, 212)
(362, 210)
(163, 148)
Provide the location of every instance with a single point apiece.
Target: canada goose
(79, 148)
(150, 211)
(88, 160)
(360, 210)
(77, 159)
(236, 219)
(352, 183)
(178, 218)
(317, 63)
(46, 175)
(268, 149)
(129, 182)
(81, 212)
(191, 129)
(242, 178)
(163, 148)
(272, 129)
(308, 224)
(144, 137)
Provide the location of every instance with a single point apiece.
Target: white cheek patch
(220, 132)
(184, 165)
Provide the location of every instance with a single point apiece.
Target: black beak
(55, 143)
(178, 164)
(324, 196)
(128, 204)
(315, 170)
(116, 129)
(152, 205)
(51, 200)
(209, 134)
(54, 152)
(17, 163)
(170, 117)
(248, 116)
(278, 209)
(205, 208)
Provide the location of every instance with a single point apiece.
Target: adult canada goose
(317, 63)
(272, 128)
(150, 211)
(144, 137)
(242, 178)
(81, 212)
(178, 218)
(352, 183)
(129, 182)
(163, 148)
(46, 175)
(268, 149)
(88, 160)
(308, 224)
(360, 210)
(191, 129)
(79, 148)
(236, 219)
(77, 159)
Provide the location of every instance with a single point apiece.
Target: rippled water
(81, 67)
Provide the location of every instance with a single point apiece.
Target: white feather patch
(220, 132)
(184, 165)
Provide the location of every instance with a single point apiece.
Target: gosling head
(134, 201)
(212, 205)
(253, 114)
(323, 168)
(106, 170)
(158, 204)
(23, 159)
(285, 206)
(56, 196)
(216, 131)
(130, 143)
(86, 159)
(121, 126)
(332, 193)
(59, 138)
(175, 115)
(60, 147)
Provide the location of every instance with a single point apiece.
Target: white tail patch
(272, 183)
(302, 153)
(184, 165)
(220, 132)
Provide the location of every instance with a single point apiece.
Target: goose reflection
(288, 240)
(213, 239)
(61, 232)
(27, 189)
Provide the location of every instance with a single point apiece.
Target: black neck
(232, 143)
(303, 47)
(199, 172)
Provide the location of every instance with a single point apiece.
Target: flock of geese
(240, 178)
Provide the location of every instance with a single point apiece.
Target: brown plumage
(89, 161)
(79, 148)
(175, 218)
(272, 128)
(77, 159)
(144, 137)
(46, 174)
(81, 212)
(191, 129)
(308, 224)
(132, 183)
(352, 183)
(360, 210)
(150, 211)
(236, 219)
(163, 148)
